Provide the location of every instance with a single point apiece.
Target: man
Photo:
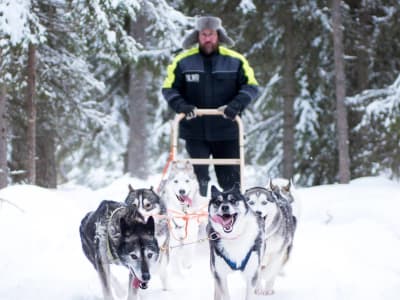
(208, 75)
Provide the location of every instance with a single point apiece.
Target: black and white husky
(236, 240)
(280, 224)
(116, 234)
(149, 204)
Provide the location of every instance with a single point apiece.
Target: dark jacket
(223, 78)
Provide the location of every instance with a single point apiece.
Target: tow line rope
(186, 217)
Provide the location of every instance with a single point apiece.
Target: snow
(14, 18)
(346, 247)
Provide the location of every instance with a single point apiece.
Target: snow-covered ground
(347, 246)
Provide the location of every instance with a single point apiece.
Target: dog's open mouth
(185, 200)
(226, 220)
(136, 283)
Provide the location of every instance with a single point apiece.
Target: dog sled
(208, 161)
(199, 213)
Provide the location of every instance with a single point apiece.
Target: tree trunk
(46, 171)
(340, 81)
(288, 102)
(31, 112)
(138, 101)
(3, 131)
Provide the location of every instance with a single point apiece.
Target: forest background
(80, 87)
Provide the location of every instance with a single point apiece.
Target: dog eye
(148, 206)
(264, 202)
(217, 203)
(134, 256)
(175, 181)
(187, 180)
(150, 255)
(251, 202)
(235, 203)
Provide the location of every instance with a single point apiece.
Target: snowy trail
(346, 246)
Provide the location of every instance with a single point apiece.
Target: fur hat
(208, 22)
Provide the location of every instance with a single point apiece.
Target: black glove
(230, 112)
(188, 110)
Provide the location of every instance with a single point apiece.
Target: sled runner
(209, 161)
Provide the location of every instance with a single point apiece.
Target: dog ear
(124, 226)
(150, 226)
(131, 189)
(271, 185)
(116, 224)
(173, 166)
(188, 166)
(214, 191)
(286, 188)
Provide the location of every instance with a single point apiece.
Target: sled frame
(209, 161)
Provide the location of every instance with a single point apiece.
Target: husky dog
(148, 203)
(288, 191)
(181, 193)
(236, 240)
(115, 234)
(280, 226)
(181, 189)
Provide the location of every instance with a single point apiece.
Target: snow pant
(227, 175)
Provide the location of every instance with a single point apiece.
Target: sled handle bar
(210, 161)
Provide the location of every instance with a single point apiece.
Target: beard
(208, 48)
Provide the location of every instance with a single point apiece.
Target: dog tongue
(225, 221)
(136, 283)
(185, 199)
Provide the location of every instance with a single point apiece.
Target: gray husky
(275, 207)
(115, 234)
(149, 203)
(236, 240)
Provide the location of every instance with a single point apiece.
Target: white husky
(181, 193)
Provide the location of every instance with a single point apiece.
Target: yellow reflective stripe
(248, 71)
(169, 80)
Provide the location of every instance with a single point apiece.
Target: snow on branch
(378, 102)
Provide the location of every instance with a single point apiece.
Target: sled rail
(210, 161)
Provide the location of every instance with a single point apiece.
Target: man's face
(208, 41)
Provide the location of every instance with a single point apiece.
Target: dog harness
(234, 266)
(112, 258)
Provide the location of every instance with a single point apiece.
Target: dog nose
(146, 276)
(182, 192)
(259, 213)
(225, 208)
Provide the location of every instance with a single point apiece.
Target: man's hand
(230, 112)
(190, 111)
